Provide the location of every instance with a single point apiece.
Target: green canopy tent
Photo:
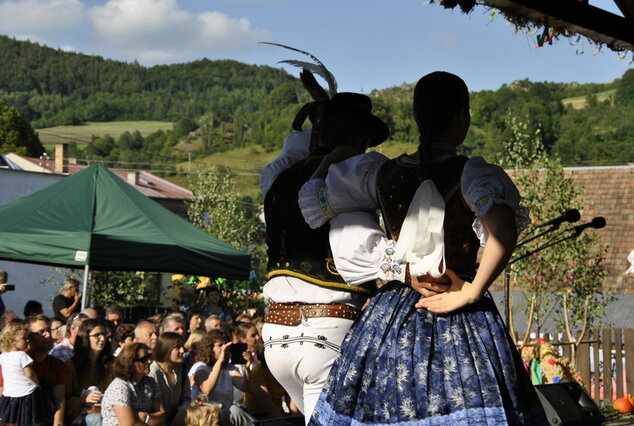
(95, 220)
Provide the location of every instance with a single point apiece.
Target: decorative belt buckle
(302, 316)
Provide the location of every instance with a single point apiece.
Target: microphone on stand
(596, 223)
(571, 215)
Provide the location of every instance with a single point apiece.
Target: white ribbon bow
(422, 239)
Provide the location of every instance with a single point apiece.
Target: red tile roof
(147, 184)
(609, 192)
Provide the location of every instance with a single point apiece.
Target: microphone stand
(528, 240)
(507, 269)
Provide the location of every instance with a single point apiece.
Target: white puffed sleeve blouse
(347, 197)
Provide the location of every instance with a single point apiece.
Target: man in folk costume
(310, 307)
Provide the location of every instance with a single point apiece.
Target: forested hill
(585, 124)
(221, 105)
(54, 87)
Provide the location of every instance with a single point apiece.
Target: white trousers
(300, 357)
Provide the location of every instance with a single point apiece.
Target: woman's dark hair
(438, 97)
(32, 307)
(205, 348)
(81, 355)
(124, 363)
(221, 300)
(164, 345)
(124, 331)
(191, 314)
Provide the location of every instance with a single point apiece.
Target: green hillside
(82, 134)
(237, 115)
(580, 102)
(246, 164)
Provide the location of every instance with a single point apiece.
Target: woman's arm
(349, 186)
(207, 383)
(340, 153)
(157, 417)
(500, 224)
(126, 416)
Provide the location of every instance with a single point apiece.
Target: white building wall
(26, 277)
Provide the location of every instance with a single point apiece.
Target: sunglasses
(143, 359)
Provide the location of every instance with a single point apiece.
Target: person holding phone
(212, 375)
(68, 302)
(247, 345)
(4, 277)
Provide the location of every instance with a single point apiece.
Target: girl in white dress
(21, 399)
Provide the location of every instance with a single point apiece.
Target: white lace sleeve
(361, 250)
(295, 148)
(485, 184)
(349, 186)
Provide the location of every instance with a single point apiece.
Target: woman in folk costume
(446, 358)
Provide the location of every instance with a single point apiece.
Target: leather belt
(293, 313)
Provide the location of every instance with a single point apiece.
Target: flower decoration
(178, 279)
(203, 282)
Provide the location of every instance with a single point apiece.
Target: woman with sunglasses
(133, 398)
(89, 372)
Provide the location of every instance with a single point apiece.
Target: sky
(366, 44)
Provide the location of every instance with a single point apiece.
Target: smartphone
(9, 287)
(236, 353)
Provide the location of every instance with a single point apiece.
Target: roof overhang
(578, 17)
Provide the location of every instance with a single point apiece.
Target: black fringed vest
(397, 183)
(294, 249)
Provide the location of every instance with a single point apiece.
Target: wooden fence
(605, 361)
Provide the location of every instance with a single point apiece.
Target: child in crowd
(202, 413)
(21, 394)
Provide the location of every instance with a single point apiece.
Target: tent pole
(84, 296)
(246, 302)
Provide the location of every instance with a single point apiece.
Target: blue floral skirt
(404, 366)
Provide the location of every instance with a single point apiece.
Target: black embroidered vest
(294, 249)
(397, 183)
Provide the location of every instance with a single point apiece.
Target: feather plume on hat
(316, 68)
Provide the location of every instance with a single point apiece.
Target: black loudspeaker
(568, 404)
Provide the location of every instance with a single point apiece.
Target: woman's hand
(338, 154)
(94, 397)
(224, 353)
(248, 357)
(460, 294)
(427, 285)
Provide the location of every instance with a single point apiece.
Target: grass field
(82, 134)
(246, 164)
(579, 102)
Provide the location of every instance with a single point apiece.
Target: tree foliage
(120, 288)
(216, 208)
(16, 134)
(124, 289)
(565, 280)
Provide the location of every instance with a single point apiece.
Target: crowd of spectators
(94, 367)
